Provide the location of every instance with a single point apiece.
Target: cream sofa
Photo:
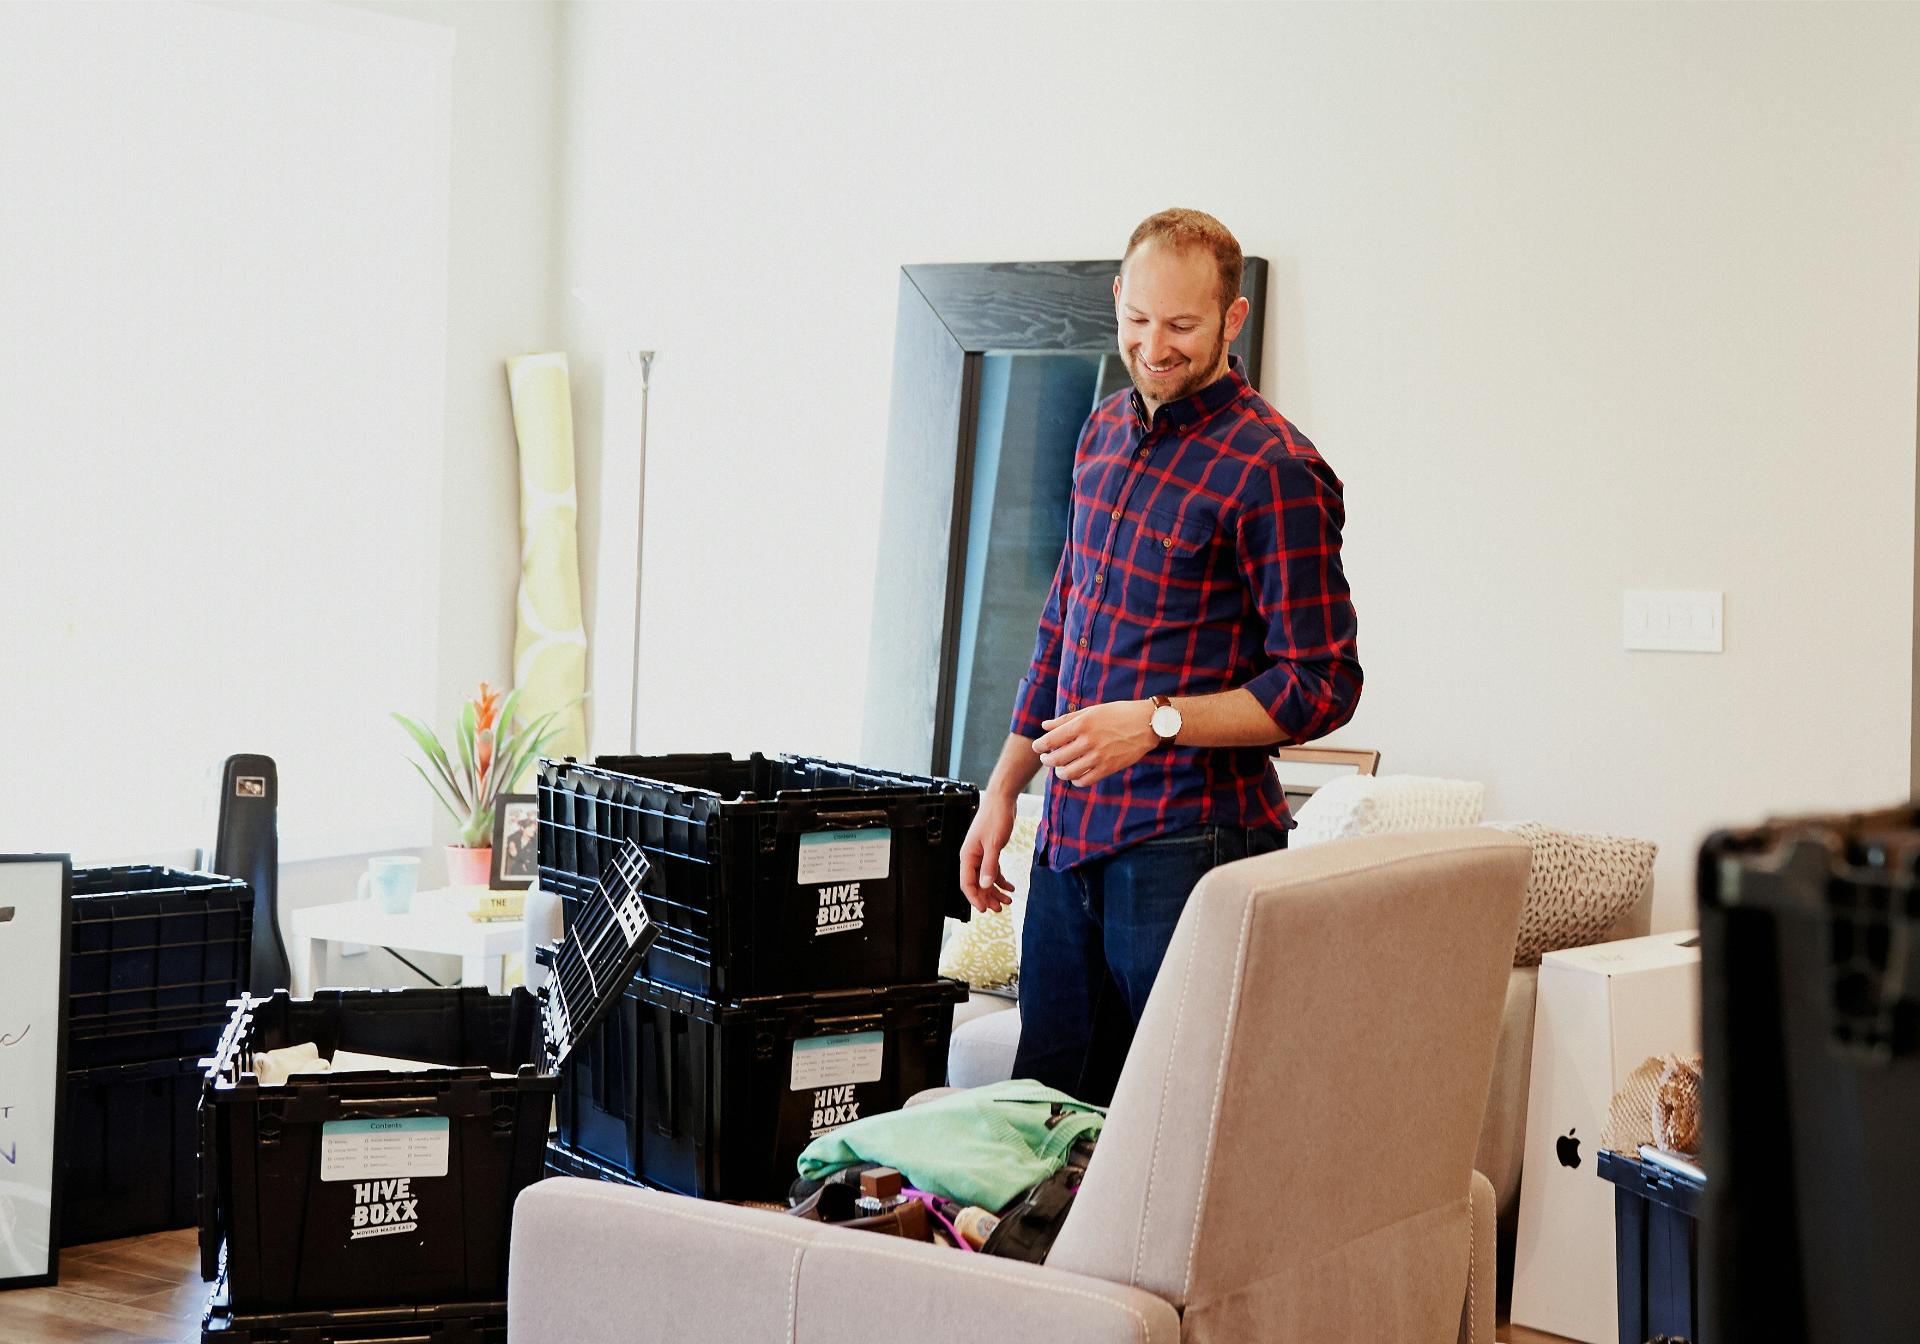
(1288, 1156)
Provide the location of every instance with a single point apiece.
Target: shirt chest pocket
(1170, 551)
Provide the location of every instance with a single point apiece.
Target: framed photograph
(516, 842)
(36, 902)
(1304, 769)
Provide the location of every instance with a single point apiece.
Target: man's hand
(980, 879)
(1089, 744)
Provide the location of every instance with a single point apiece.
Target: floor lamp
(642, 360)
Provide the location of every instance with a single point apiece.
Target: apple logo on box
(1567, 1148)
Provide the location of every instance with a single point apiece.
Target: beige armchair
(984, 1041)
(1288, 1156)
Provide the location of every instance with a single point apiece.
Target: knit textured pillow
(1371, 804)
(1579, 885)
(985, 952)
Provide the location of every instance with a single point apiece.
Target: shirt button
(1116, 515)
(1073, 709)
(1083, 641)
(1167, 543)
(1099, 578)
(1142, 454)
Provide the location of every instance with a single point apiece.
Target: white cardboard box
(1601, 1011)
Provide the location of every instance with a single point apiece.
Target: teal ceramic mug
(390, 880)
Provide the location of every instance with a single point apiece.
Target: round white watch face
(1166, 721)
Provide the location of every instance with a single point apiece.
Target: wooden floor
(112, 1292)
(149, 1289)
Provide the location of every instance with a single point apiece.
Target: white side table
(436, 922)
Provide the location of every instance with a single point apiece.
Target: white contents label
(830, 1061)
(367, 1150)
(845, 856)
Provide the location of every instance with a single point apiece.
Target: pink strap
(939, 1217)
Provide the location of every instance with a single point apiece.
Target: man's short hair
(1184, 229)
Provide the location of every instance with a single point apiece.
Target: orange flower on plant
(486, 704)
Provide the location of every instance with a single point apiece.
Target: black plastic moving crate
(1810, 1095)
(452, 1323)
(372, 1189)
(565, 1161)
(131, 1142)
(717, 1100)
(772, 875)
(139, 1038)
(1656, 1236)
(156, 955)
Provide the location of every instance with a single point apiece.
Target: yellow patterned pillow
(985, 951)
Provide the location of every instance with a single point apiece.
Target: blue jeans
(1094, 940)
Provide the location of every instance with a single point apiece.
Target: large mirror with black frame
(995, 369)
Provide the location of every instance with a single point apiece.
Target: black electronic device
(248, 846)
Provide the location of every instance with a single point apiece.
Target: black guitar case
(248, 846)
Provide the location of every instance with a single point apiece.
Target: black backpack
(1027, 1229)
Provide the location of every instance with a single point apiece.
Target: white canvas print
(33, 893)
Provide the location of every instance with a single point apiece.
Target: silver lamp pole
(643, 360)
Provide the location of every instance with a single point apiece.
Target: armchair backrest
(1296, 1122)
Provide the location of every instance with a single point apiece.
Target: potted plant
(489, 753)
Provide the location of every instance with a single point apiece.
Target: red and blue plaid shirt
(1203, 555)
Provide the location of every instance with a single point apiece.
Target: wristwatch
(1166, 720)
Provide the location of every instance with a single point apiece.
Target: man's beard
(1164, 391)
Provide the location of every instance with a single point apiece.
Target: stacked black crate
(156, 955)
(373, 1200)
(794, 985)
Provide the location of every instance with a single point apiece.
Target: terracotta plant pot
(469, 867)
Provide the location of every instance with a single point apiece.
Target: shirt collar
(1190, 411)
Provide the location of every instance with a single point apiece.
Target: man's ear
(1236, 318)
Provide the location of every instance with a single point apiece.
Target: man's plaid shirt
(1203, 555)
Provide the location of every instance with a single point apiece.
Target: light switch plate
(1672, 621)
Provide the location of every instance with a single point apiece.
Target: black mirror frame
(950, 316)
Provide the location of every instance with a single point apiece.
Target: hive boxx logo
(382, 1208)
(842, 909)
(833, 1107)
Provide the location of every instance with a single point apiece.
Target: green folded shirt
(983, 1145)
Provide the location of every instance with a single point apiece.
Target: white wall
(501, 302)
(1576, 299)
(204, 208)
(501, 289)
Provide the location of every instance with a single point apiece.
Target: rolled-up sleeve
(1288, 541)
(1040, 688)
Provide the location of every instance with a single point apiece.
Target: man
(1199, 617)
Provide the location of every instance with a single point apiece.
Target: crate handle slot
(679, 1048)
(853, 1022)
(387, 1106)
(864, 817)
(609, 1054)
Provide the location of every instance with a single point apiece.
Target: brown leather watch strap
(1160, 702)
